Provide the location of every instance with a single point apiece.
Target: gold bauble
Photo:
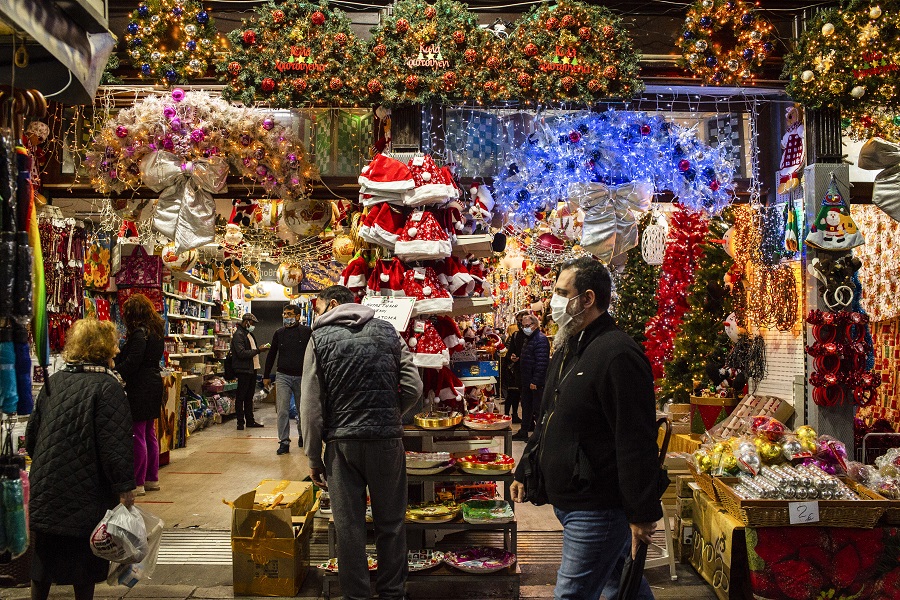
(835, 87)
(805, 431)
(828, 29)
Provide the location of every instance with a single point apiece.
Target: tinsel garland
(683, 250)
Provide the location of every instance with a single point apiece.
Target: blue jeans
(595, 545)
(287, 389)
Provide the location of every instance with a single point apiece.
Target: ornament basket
(891, 512)
(858, 514)
(705, 481)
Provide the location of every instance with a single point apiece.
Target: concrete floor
(219, 463)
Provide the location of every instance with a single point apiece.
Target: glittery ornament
(121, 131)
(402, 26)
(608, 31)
(379, 50)
(493, 62)
(567, 21)
(524, 80)
(317, 18)
(249, 37)
(531, 50)
(552, 23)
(299, 84)
(267, 84)
(411, 82)
(470, 55)
(584, 33)
(459, 37)
(341, 39)
(594, 85)
(610, 72)
(278, 16)
(567, 83)
(335, 83)
(430, 12)
(374, 86)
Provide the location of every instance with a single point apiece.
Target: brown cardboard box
(684, 507)
(296, 495)
(270, 557)
(684, 539)
(682, 486)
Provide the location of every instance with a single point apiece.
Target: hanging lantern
(653, 242)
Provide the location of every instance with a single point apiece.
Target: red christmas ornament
(567, 82)
(249, 37)
(374, 86)
(524, 80)
(568, 21)
(575, 137)
(503, 286)
(278, 16)
(449, 80)
(594, 85)
(552, 23)
(550, 243)
(267, 84)
(714, 185)
(459, 37)
(584, 33)
(523, 282)
(684, 164)
(645, 129)
(531, 50)
(335, 84)
(490, 86)
(317, 18)
(470, 55)
(299, 85)
(234, 68)
(430, 12)
(610, 72)
(608, 31)
(411, 82)
(493, 62)
(379, 50)
(341, 38)
(402, 26)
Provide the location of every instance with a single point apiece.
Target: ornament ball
(121, 131)
(827, 29)
(858, 91)
(875, 12)
(807, 76)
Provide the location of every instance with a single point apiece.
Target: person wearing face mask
(359, 379)
(245, 358)
(596, 445)
(289, 347)
(512, 393)
(535, 355)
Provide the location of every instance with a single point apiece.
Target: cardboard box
(481, 368)
(684, 507)
(684, 528)
(683, 487)
(270, 556)
(297, 496)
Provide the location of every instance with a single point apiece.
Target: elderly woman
(80, 441)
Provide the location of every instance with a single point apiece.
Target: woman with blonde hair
(138, 364)
(79, 440)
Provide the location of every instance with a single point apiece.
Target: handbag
(535, 489)
(153, 294)
(140, 269)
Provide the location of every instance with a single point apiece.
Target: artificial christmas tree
(636, 291)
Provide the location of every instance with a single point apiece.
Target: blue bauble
(203, 17)
(711, 61)
(177, 11)
(690, 174)
(563, 139)
(192, 45)
(705, 21)
(583, 128)
(717, 77)
(549, 166)
(137, 42)
(747, 19)
(709, 173)
(143, 11)
(513, 169)
(132, 28)
(523, 195)
(171, 75)
(688, 35)
(145, 69)
(678, 152)
(768, 47)
(748, 54)
(570, 165)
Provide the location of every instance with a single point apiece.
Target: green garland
(109, 76)
(572, 52)
(171, 41)
(292, 53)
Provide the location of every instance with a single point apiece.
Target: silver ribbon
(881, 154)
(186, 210)
(610, 225)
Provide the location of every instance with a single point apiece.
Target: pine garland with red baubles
(684, 248)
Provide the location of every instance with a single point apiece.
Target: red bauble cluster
(402, 26)
(299, 85)
(430, 12)
(470, 55)
(335, 84)
(379, 50)
(341, 38)
(411, 82)
(317, 18)
(568, 21)
(374, 86)
(267, 84)
(459, 37)
(249, 37)
(278, 16)
(234, 68)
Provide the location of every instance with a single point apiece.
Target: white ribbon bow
(186, 210)
(882, 154)
(610, 226)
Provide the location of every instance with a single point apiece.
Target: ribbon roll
(610, 225)
(879, 154)
(186, 210)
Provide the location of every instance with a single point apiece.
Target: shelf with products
(177, 317)
(190, 354)
(478, 246)
(182, 297)
(189, 336)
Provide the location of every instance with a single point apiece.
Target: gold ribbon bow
(881, 154)
(610, 225)
(186, 210)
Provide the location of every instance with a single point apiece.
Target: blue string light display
(612, 147)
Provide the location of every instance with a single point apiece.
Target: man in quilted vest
(358, 380)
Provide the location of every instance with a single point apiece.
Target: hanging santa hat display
(386, 278)
(354, 277)
(422, 284)
(427, 346)
(422, 238)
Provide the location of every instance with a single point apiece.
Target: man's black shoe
(300, 443)
(283, 449)
(255, 425)
(240, 427)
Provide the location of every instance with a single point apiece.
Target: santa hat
(427, 347)
(386, 226)
(482, 202)
(365, 225)
(450, 333)
(493, 341)
(422, 238)
(443, 389)
(242, 210)
(455, 277)
(354, 277)
(477, 271)
(451, 218)
(432, 187)
(387, 278)
(386, 174)
(422, 284)
(369, 197)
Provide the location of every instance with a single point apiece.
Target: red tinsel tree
(687, 230)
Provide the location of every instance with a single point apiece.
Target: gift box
(480, 368)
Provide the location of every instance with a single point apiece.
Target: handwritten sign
(394, 310)
(801, 513)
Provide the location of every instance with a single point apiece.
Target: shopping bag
(121, 536)
(129, 575)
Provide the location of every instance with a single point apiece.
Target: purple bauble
(168, 144)
(169, 112)
(268, 123)
(121, 131)
(198, 135)
(178, 94)
(247, 162)
(175, 123)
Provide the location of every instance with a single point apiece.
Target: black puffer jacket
(138, 364)
(534, 360)
(241, 352)
(80, 442)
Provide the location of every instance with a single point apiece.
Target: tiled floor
(220, 463)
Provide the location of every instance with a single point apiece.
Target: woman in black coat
(79, 440)
(138, 364)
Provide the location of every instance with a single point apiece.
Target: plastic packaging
(121, 536)
(130, 575)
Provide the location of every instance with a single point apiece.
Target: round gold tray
(438, 420)
(438, 517)
(470, 467)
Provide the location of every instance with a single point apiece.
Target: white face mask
(558, 309)
(250, 328)
(527, 330)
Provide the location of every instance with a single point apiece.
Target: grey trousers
(285, 387)
(350, 466)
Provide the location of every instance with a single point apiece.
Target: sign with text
(394, 310)
(801, 513)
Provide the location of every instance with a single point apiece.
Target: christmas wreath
(291, 53)
(171, 41)
(849, 59)
(724, 41)
(573, 51)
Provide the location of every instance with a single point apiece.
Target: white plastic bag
(121, 536)
(129, 575)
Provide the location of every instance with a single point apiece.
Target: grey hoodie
(312, 391)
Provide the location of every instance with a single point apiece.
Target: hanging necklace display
(653, 242)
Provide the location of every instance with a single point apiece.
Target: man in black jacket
(289, 346)
(534, 358)
(511, 392)
(358, 379)
(597, 439)
(245, 359)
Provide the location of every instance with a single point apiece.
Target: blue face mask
(527, 330)
(289, 321)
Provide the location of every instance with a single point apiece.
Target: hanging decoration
(793, 151)
(171, 41)
(833, 228)
(880, 272)
(653, 239)
(292, 53)
(573, 52)
(877, 122)
(842, 345)
(182, 144)
(881, 155)
(610, 225)
(847, 59)
(725, 42)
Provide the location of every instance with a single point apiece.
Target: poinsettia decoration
(292, 53)
(572, 51)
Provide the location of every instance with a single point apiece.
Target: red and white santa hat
(387, 225)
(454, 276)
(386, 278)
(386, 174)
(432, 187)
(477, 271)
(482, 202)
(354, 277)
(422, 284)
(428, 349)
(443, 390)
(422, 238)
(369, 197)
(451, 218)
(450, 333)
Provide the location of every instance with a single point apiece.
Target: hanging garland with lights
(170, 41)
(848, 59)
(724, 42)
(573, 52)
(292, 53)
(878, 122)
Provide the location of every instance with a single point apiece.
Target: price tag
(803, 512)
(418, 160)
(417, 216)
(393, 309)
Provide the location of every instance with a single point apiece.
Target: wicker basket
(705, 481)
(892, 512)
(860, 514)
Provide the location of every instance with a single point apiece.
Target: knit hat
(422, 284)
(422, 238)
(443, 390)
(482, 202)
(426, 345)
(386, 174)
(387, 278)
(450, 333)
(432, 186)
(354, 277)
(455, 277)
